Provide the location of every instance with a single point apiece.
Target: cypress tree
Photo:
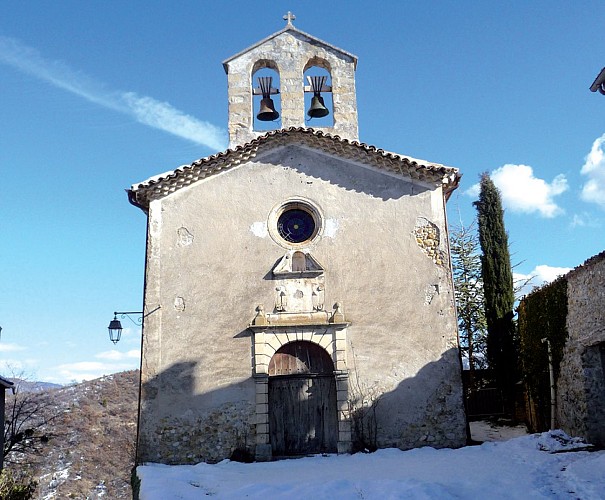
(498, 289)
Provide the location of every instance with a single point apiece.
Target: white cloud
(578, 220)
(67, 376)
(83, 366)
(11, 347)
(22, 368)
(144, 109)
(163, 116)
(585, 219)
(594, 168)
(114, 355)
(473, 191)
(538, 276)
(546, 274)
(523, 192)
(88, 370)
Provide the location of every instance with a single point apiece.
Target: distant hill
(28, 386)
(92, 454)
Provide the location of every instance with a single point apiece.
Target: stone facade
(369, 287)
(581, 383)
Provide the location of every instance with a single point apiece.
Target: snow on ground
(482, 431)
(533, 466)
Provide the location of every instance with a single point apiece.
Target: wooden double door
(302, 401)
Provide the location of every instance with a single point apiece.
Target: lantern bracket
(115, 326)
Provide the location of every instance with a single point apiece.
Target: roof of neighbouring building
(5, 383)
(290, 28)
(402, 166)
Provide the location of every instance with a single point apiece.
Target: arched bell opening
(319, 105)
(302, 398)
(266, 96)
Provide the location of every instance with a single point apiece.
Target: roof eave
(288, 27)
(6, 384)
(142, 193)
(133, 200)
(598, 82)
(451, 185)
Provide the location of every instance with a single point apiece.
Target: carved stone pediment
(297, 264)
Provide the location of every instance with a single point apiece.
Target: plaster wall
(210, 256)
(581, 383)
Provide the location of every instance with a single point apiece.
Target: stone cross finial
(289, 17)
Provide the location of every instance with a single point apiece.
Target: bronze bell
(317, 109)
(267, 112)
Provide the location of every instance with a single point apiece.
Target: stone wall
(212, 437)
(581, 383)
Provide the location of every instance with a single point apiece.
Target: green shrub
(12, 488)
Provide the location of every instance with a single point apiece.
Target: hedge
(542, 314)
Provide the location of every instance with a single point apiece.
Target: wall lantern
(115, 326)
(115, 330)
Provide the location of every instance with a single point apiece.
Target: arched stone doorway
(303, 416)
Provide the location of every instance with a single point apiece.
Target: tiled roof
(403, 166)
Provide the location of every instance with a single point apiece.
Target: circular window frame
(295, 204)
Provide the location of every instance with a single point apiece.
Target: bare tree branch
(28, 424)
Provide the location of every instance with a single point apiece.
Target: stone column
(263, 446)
(342, 403)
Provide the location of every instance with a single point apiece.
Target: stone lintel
(292, 327)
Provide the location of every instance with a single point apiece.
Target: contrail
(144, 109)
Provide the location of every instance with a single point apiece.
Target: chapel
(299, 283)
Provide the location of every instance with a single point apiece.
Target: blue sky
(96, 96)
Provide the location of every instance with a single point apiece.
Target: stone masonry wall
(212, 438)
(427, 238)
(581, 384)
